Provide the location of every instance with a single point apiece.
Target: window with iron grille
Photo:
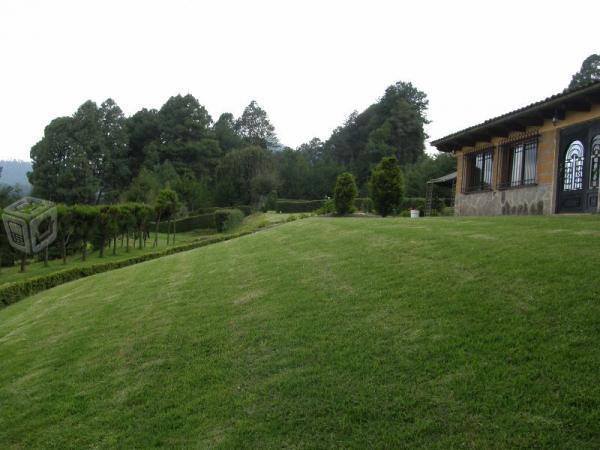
(573, 167)
(478, 171)
(518, 163)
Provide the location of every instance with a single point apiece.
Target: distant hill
(15, 172)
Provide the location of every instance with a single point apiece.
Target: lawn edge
(15, 291)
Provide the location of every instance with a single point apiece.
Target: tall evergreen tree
(114, 172)
(589, 71)
(143, 129)
(61, 168)
(186, 137)
(394, 126)
(387, 186)
(225, 132)
(255, 127)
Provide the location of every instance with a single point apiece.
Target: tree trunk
(168, 230)
(102, 245)
(64, 250)
(46, 257)
(23, 260)
(127, 243)
(156, 233)
(114, 244)
(174, 225)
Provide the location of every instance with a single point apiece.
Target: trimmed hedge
(297, 206)
(201, 221)
(227, 219)
(206, 210)
(13, 292)
(246, 209)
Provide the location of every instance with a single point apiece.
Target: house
(540, 159)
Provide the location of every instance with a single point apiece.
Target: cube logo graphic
(30, 224)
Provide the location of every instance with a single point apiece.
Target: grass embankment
(36, 268)
(439, 332)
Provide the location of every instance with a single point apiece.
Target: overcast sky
(308, 63)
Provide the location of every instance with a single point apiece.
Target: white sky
(308, 63)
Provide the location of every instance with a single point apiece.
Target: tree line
(100, 156)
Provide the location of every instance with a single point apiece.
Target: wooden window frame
(507, 153)
(476, 182)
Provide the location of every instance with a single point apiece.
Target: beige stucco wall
(539, 199)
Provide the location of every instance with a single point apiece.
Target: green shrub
(387, 186)
(227, 219)
(268, 202)
(291, 218)
(327, 208)
(344, 193)
(447, 211)
(297, 206)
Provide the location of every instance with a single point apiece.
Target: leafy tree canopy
(255, 127)
(589, 71)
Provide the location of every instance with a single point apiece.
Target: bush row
(246, 209)
(201, 221)
(13, 292)
(227, 219)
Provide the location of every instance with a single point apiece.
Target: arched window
(574, 167)
(595, 163)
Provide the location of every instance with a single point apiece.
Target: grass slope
(438, 333)
(36, 268)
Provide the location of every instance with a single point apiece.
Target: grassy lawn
(324, 332)
(35, 268)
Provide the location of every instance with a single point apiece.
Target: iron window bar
(518, 162)
(478, 170)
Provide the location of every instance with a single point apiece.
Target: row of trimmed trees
(386, 187)
(102, 226)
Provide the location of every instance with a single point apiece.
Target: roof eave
(556, 107)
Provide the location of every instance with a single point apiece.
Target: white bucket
(414, 213)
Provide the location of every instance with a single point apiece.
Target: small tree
(104, 228)
(85, 219)
(344, 193)
(387, 186)
(127, 222)
(65, 228)
(165, 208)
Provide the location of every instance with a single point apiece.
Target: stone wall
(527, 200)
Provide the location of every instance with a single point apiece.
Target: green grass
(436, 333)
(35, 268)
